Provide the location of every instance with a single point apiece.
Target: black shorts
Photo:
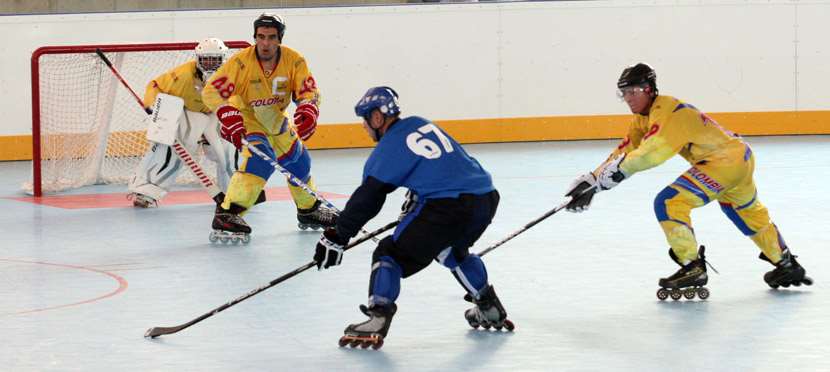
(438, 224)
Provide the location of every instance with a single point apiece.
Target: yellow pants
(731, 184)
(253, 173)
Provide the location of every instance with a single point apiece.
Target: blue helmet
(384, 99)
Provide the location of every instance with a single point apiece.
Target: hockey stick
(217, 195)
(159, 331)
(293, 178)
(526, 227)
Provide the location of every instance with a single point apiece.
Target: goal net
(87, 127)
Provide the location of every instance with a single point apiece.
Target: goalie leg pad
(156, 172)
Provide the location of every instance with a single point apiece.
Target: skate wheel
(224, 239)
(234, 240)
(702, 293)
(486, 326)
(689, 294)
(302, 227)
(378, 344)
(676, 294)
(498, 327)
(213, 238)
(354, 343)
(797, 284)
(773, 286)
(343, 341)
(807, 280)
(365, 344)
(786, 285)
(509, 325)
(474, 325)
(662, 294)
(246, 239)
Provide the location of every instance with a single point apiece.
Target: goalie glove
(582, 191)
(329, 250)
(611, 175)
(233, 128)
(305, 120)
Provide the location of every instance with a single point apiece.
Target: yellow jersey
(675, 127)
(262, 97)
(181, 81)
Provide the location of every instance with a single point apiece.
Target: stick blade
(158, 331)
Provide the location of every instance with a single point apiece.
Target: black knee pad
(408, 264)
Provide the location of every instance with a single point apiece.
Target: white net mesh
(91, 127)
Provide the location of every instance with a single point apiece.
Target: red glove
(305, 119)
(232, 128)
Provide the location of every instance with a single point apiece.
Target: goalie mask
(210, 55)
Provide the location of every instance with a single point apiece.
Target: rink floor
(80, 286)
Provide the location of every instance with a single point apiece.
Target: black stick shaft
(158, 331)
(525, 228)
(106, 60)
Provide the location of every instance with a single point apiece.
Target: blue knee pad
(296, 161)
(385, 282)
(256, 165)
(470, 272)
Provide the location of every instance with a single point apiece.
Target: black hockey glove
(582, 191)
(329, 250)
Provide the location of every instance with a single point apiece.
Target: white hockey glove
(582, 191)
(329, 250)
(611, 175)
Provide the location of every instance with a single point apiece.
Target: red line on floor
(119, 200)
(122, 285)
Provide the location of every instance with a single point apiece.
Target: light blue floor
(580, 288)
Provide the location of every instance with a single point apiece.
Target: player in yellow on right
(722, 169)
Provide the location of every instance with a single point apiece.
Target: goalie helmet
(210, 55)
(638, 74)
(382, 98)
(270, 20)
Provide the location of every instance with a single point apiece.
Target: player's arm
(661, 142)
(221, 86)
(161, 84)
(307, 98)
(364, 204)
(583, 188)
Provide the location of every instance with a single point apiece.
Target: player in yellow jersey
(250, 94)
(197, 127)
(722, 169)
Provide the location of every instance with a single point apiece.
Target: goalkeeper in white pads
(197, 127)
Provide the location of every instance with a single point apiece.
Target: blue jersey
(414, 153)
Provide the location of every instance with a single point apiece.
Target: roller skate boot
(142, 201)
(787, 272)
(371, 332)
(686, 282)
(228, 226)
(318, 217)
(488, 311)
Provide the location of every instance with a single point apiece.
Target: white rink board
(465, 61)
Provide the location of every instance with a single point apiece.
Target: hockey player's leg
(311, 213)
(673, 207)
(752, 218)
(228, 224)
(384, 288)
(154, 175)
